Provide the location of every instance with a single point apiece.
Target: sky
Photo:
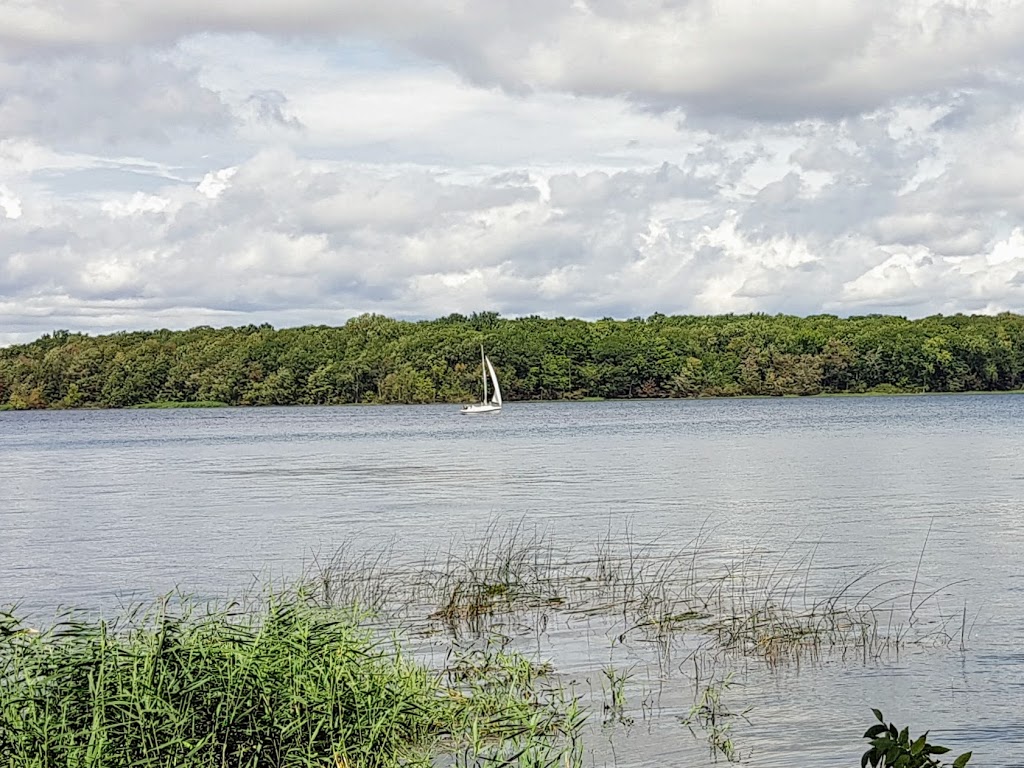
(180, 163)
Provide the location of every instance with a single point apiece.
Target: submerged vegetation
(374, 359)
(377, 661)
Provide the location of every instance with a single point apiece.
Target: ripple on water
(100, 508)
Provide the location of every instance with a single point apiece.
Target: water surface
(100, 508)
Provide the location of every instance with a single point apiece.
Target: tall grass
(771, 606)
(304, 677)
(509, 569)
(286, 685)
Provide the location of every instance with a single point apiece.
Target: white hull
(480, 408)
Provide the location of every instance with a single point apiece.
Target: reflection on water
(101, 507)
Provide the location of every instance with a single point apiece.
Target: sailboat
(485, 406)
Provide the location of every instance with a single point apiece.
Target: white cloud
(105, 100)
(9, 203)
(215, 182)
(775, 58)
(305, 161)
(332, 238)
(137, 203)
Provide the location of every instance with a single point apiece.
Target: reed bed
(287, 684)
(322, 674)
(770, 606)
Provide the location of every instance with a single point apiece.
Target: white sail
(494, 378)
(483, 372)
(493, 405)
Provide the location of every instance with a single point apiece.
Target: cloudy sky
(167, 164)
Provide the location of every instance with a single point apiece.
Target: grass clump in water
(288, 684)
(762, 605)
(511, 569)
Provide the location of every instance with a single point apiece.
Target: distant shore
(375, 359)
(179, 405)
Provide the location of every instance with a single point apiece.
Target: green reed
(297, 678)
(287, 684)
(758, 605)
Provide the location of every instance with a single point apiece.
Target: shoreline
(190, 405)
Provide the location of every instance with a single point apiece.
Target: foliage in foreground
(289, 686)
(374, 359)
(666, 600)
(297, 681)
(893, 748)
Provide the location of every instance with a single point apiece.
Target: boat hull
(480, 408)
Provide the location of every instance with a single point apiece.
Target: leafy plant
(893, 748)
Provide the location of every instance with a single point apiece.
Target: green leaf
(878, 715)
(937, 750)
(961, 761)
(904, 736)
(918, 746)
(874, 730)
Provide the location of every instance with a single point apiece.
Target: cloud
(104, 101)
(778, 59)
(10, 205)
(271, 108)
(309, 160)
(279, 233)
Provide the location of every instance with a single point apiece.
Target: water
(100, 508)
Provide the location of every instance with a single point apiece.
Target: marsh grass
(343, 578)
(693, 609)
(711, 716)
(287, 684)
(509, 570)
(613, 689)
(770, 606)
(324, 673)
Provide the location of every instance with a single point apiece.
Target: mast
(483, 371)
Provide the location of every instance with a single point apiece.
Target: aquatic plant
(755, 607)
(895, 748)
(662, 602)
(345, 578)
(287, 684)
(509, 568)
(316, 674)
(715, 719)
(613, 688)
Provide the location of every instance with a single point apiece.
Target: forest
(376, 359)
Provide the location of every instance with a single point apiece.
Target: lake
(99, 508)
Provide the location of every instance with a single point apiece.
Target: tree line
(376, 359)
